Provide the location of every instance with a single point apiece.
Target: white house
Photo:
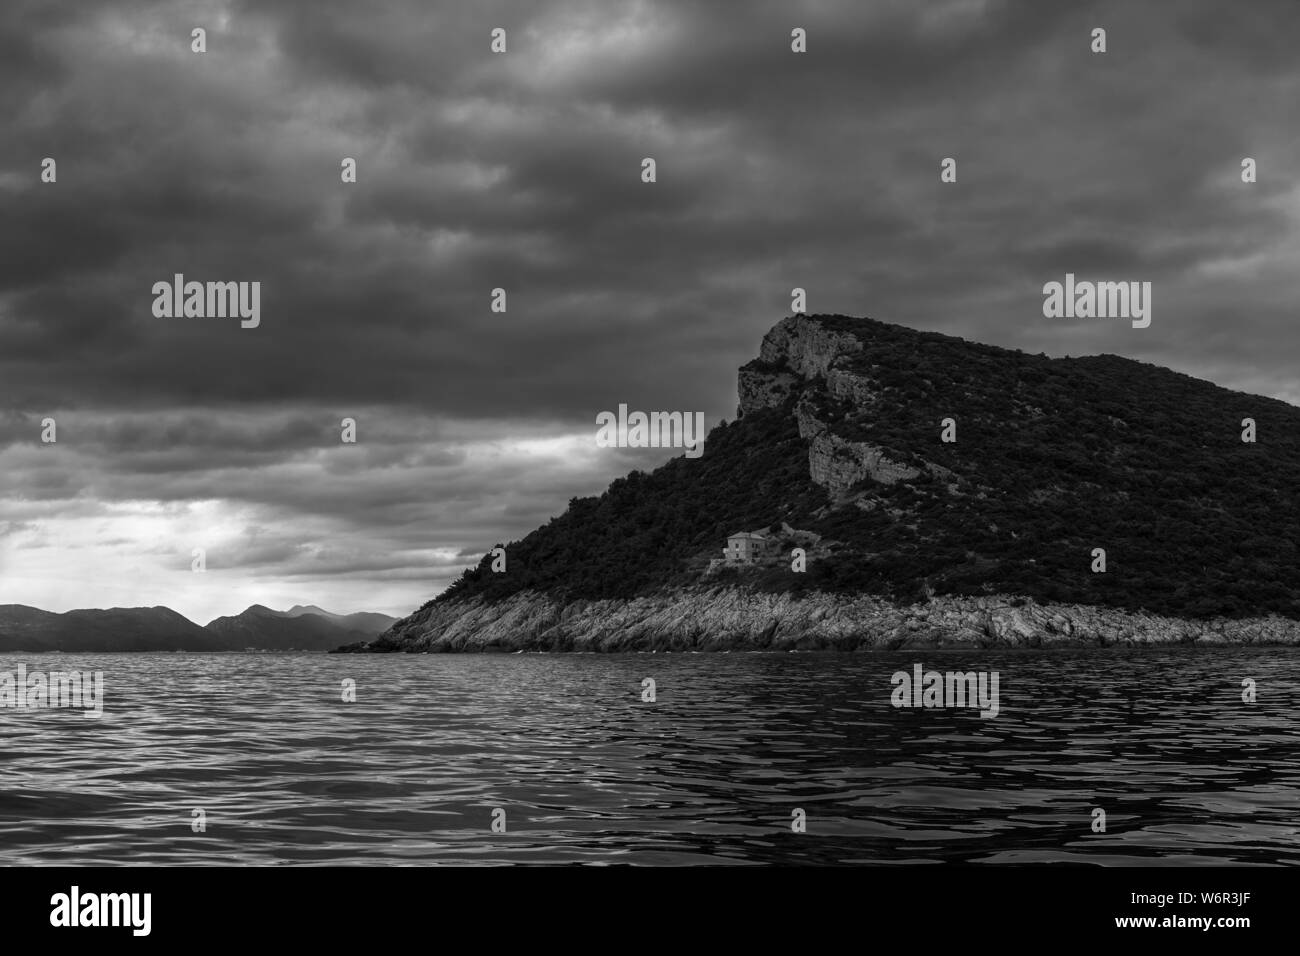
(745, 547)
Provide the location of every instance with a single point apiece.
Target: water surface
(287, 773)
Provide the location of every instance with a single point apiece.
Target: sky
(522, 170)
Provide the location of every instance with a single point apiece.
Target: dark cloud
(523, 171)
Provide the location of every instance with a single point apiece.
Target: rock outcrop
(798, 351)
(837, 464)
(764, 388)
(794, 351)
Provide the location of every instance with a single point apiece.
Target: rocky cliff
(735, 619)
(796, 351)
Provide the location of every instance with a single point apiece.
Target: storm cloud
(522, 171)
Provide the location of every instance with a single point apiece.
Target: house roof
(747, 534)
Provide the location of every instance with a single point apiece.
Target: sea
(1103, 757)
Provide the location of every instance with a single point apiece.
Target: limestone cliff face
(730, 618)
(807, 347)
(849, 387)
(796, 352)
(837, 464)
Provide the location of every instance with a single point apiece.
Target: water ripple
(286, 773)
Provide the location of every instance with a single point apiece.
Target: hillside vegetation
(1053, 458)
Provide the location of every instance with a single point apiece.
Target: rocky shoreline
(729, 618)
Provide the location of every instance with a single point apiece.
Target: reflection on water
(286, 772)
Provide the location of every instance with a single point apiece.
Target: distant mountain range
(303, 628)
(299, 628)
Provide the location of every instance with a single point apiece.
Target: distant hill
(839, 434)
(368, 622)
(301, 628)
(25, 628)
(114, 629)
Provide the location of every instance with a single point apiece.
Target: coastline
(720, 619)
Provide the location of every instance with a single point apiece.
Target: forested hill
(840, 434)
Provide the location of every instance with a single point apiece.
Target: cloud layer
(522, 171)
